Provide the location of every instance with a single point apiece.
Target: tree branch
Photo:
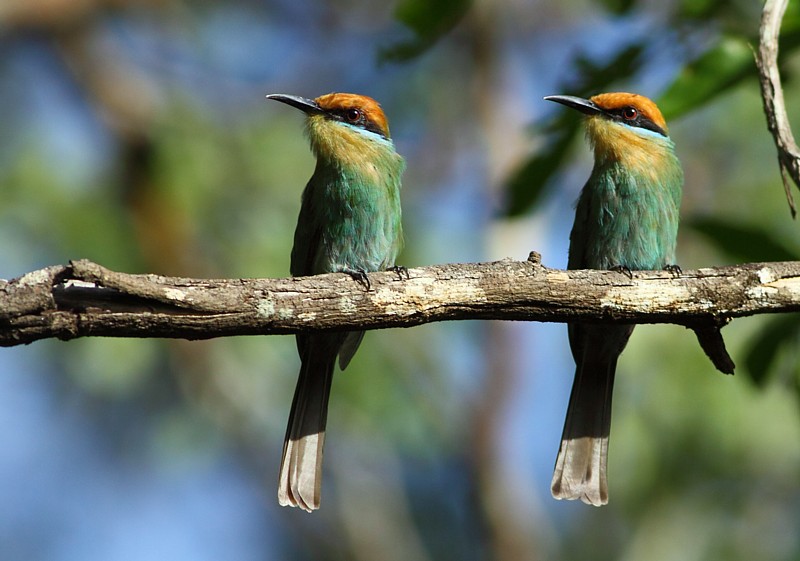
(772, 95)
(84, 299)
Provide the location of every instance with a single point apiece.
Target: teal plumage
(347, 219)
(350, 222)
(627, 218)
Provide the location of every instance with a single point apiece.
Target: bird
(626, 219)
(349, 222)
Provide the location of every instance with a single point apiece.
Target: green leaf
(618, 7)
(716, 71)
(791, 20)
(708, 10)
(429, 21)
(742, 242)
(597, 77)
(789, 41)
(764, 348)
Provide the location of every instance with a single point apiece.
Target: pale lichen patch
(766, 275)
(175, 294)
(426, 296)
(705, 303)
(770, 284)
(33, 278)
(73, 283)
(346, 305)
(620, 297)
(266, 307)
(789, 283)
(761, 292)
(557, 276)
(385, 298)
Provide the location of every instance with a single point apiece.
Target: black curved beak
(308, 106)
(585, 106)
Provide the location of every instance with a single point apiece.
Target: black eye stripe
(639, 120)
(345, 116)
(350, 115)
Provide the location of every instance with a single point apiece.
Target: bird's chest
(629, 220)
(359, 226)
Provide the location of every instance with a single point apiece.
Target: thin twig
(772, 95)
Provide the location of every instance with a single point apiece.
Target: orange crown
(618, 100)
(370, 108)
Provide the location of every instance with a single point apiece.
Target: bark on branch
(84, 299)
(772, 95)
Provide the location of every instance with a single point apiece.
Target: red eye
(630, 113)
(353, 115)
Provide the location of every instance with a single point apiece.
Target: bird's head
(342, 127)
(623, 127)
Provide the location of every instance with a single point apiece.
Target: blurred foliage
(722, 67)
(618, 7)
(429, 21)
(745, 243)
(779, 334)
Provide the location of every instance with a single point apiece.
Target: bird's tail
(580, 471)
(301, 464)
(582, 461)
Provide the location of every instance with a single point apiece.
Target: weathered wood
(85, 299)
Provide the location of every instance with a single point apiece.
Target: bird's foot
(360, 276)
(624, 269)
(675, 270)
(400, 270)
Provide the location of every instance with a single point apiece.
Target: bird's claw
(400, 270)
(360, 276)
(624, 269)
(675, 270)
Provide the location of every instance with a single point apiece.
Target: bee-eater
(350, 223)
(626, 218)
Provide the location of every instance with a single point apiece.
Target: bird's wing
(307, 240)
(349, 348)
(306, 237)
(577, 238)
